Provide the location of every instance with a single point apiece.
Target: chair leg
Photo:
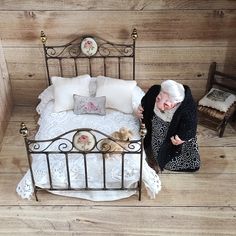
(222, 127)
(234, 116)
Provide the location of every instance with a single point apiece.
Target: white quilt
(52, 124)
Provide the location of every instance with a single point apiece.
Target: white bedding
(52, 124)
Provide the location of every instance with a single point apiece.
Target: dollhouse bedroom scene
(118, 117)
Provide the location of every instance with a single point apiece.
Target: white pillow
(118, 93)
(218, 99)
(65, 88)
(46, 96)
(137, 96)
(93, 87)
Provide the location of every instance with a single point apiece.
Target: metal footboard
(83, 142)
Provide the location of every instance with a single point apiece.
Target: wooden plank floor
(202, 203)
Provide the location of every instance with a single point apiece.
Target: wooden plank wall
(5, 95)
(177, 39)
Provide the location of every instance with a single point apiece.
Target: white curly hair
(174, 89)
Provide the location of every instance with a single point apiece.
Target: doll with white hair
(170, 115)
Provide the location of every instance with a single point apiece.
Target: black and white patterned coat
(183, 124)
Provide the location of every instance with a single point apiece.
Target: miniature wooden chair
(218, 105)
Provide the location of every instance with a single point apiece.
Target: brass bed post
(134, 36)
(24, 133)
(43, 38)
(143, 132)
(66, 144)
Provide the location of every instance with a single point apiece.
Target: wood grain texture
(153, 65)
(201, 203)
(177, 39)
(178, 190)
(210, 138)
(80, 220)
(217, 153)
(23, 113)
(124, 5)
(5, 95)
(190, 62)
(155, 28)
(13, 159)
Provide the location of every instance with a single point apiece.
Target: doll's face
(163, 102)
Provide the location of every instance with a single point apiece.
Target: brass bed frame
(54, 56)
(105, 51)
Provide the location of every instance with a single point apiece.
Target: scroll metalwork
(104, 49)
(83, 140)
(110, 55)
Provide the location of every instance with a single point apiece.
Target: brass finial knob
(143, 130)
(43, 37)
(23, 130)
(134, 34)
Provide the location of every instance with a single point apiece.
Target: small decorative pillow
(218, 99)
(89, 105)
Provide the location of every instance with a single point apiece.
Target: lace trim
(25, 187)
(53, 124)
(113, 177)
(166, 115)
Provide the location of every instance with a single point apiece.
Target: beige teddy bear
(121, 140)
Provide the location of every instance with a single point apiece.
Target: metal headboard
(105, 51)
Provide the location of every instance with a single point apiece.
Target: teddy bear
(121, 140)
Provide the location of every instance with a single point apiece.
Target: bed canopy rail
(84, 50)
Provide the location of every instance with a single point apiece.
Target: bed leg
(35, 195)
(140, 192)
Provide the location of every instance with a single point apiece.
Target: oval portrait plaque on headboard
(89, 46)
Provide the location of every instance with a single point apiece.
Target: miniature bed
(81, 148)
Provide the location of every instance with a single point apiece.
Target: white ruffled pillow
(118, 93)
(137, 96)
(46, 96)
(65, 88)
(218, 99)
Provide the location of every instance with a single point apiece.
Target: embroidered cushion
(218, 99)
(89, 105)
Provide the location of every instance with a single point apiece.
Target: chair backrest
(220, 80)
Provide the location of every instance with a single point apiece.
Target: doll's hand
(139, 112)
(176, 140)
